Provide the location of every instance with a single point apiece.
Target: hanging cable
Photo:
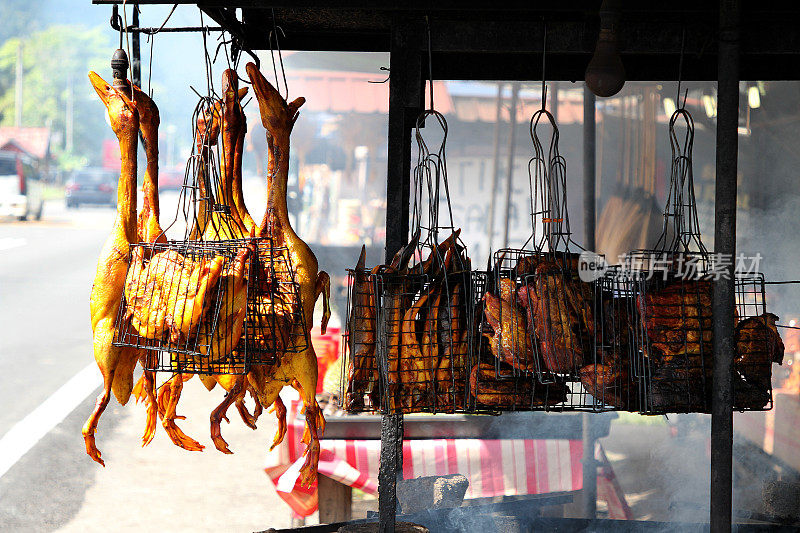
(274, 31)
(680, 73)
(544, 56)
(430, 61)
(165, 21)
(151, 39)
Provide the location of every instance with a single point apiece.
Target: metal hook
(385, 69)
(116, 22)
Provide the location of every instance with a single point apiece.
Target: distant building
(33, 142)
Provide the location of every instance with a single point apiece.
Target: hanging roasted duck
(149, 230)
(112, 266)
(296, 369)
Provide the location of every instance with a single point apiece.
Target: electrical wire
(274, 31)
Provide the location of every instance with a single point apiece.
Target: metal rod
(553, 91)
(725, 243)
(405, 82)
(589, 178)
(512, 125)
(496, 166)
(136, 60)
(134, 28)
(589, 145)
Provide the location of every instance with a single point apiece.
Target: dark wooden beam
(504, 42)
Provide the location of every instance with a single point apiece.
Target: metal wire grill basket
(671, 325)
(408, 342)
(186, 304)
(210, 304)
(275, 322)
(360, 381)
(667, 293)
(543, 324)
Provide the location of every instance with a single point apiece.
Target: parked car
(91, 186)
(170, 180)
(20, 186)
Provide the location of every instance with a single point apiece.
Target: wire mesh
(547, 344)
(275, 321)
(497, 385)
(407, 342)
(671, 288)
(217, 301)
(186, 304)
(673, 352)
(360, 381)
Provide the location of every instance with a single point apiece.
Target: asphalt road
(46, 271)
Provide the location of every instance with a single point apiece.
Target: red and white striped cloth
(493, 467)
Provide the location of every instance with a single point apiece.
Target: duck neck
(277, 214)
(150, 201)
(126, 189)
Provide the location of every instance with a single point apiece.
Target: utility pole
(511, 145)
(68, 123)
(18, 93)
(496, 166)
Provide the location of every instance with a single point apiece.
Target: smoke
(771, 232)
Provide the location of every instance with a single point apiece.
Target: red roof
(34, 141)
(351, 92)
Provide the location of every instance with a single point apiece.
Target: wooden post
(335, 500)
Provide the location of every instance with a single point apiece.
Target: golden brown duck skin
(231, 127)
(299, 369)
(149, 230)
(112, 265)
(758, 345)
(149, 121)
(510, 341)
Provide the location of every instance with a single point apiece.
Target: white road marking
(8, 243)
(28, 431)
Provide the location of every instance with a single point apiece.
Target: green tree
(53, 60)
(19, 17)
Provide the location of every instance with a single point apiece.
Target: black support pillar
(725, 243)
(405, 103)
(589, 179)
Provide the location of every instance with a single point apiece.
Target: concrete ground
(164, 488)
